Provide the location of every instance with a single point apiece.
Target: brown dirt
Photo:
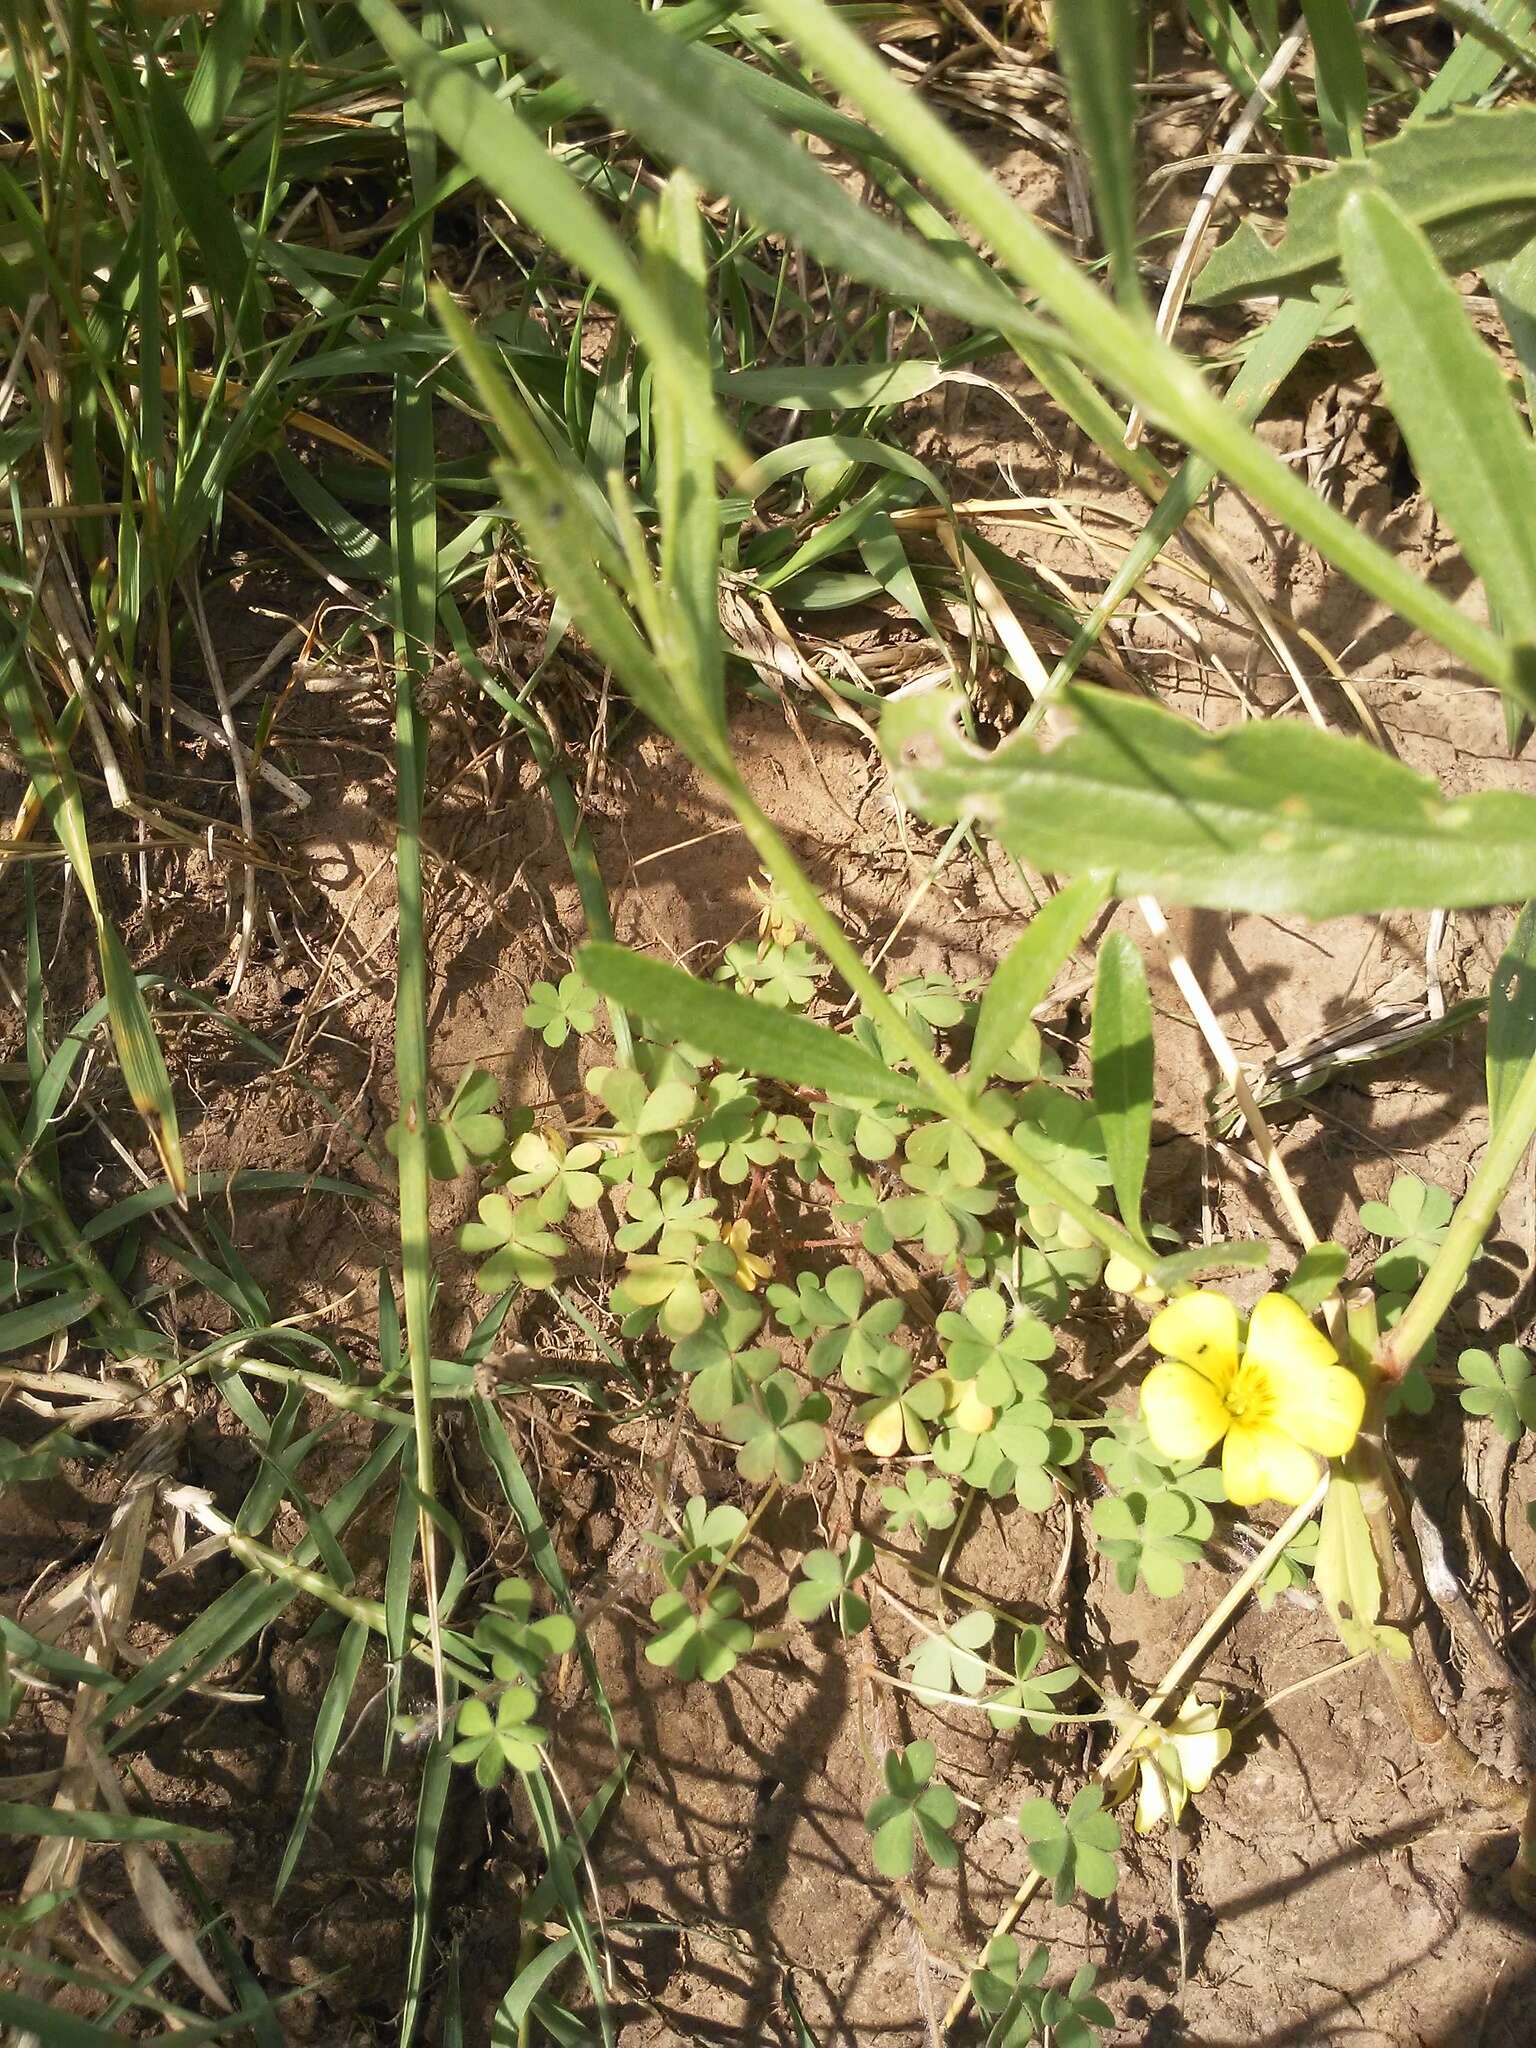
(1329, 1890)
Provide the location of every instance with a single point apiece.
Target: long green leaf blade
(1096, 42)
(1512, 1016)
(1025, 974)
(1274, 817)
(743, 1033)
(1470, 446)
(1123, 1070)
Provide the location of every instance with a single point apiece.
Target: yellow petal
(1281, 1335)
(971, 1413)
(1183, 1412)
(1161, 1795)
(886, 1430)
(1321, 1406)
(1200, 1741)
(1261, 1463)
(1199, 1330)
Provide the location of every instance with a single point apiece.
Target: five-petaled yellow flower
(1270, 1406)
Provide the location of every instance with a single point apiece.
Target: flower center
(1250, 1398)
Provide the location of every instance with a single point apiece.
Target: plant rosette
(1276, 1399)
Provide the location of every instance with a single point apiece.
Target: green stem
(769, 1496)
(1469, 1226)
(944, 1091)
(257, 1557)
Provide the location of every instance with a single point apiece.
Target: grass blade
(431, 1805)
(1096, 42)
(328, 1726)
(1512, 1016)
(413, 538)
(1124, 1070)
(1342, 93)
(523, 1501)
(1023, 979)
(87, 1825)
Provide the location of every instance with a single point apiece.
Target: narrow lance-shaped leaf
(1123, 1070)
(1096, 42)
(1023, 979)
(1479, 21)
(741, 1032)
(1512, 1017)
(687, 433)
(1448, 393)
(1276, 817)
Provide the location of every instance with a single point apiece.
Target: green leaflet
(1275, 817)
(1468, 180)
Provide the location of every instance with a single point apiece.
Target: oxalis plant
(929, 1127)
(848, 1217)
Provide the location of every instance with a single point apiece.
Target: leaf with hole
(1270, 816)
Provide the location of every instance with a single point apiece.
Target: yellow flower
(964, 1407)
(1175, 1762)
(1121, 1277)
(1285, 1397)
(776, 922)
(750, 1266)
